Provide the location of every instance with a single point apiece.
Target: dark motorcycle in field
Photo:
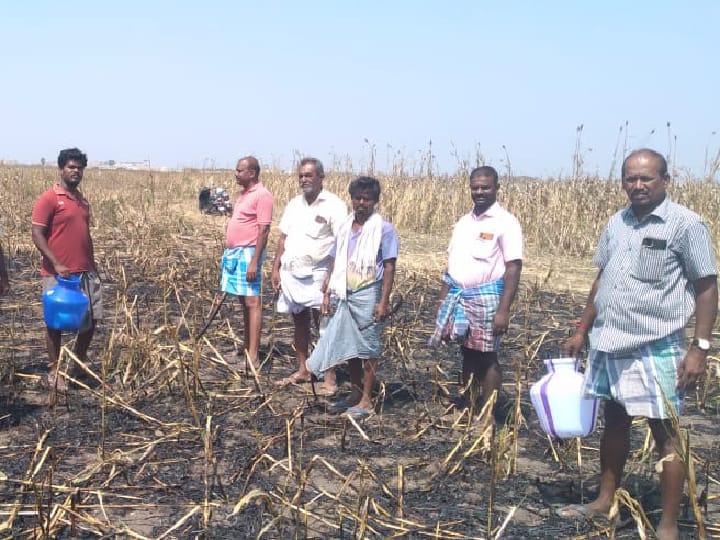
(215, 201)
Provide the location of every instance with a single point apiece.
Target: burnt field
(165, 436)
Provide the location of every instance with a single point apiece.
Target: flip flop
(338, 407)
(580, 511)
(359, 414)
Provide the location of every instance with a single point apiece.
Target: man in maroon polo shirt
(61, 231)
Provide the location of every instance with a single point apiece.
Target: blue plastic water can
(65, 304)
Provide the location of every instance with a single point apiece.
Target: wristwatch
(700, 343)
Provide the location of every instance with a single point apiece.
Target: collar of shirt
(60, 191)
(660, 212)
(250, 188)
(491, 211)
(320, 197)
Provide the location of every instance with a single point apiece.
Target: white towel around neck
(364, 259)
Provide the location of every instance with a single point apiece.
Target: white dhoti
(300, 290)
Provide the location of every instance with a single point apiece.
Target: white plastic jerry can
(559, 403)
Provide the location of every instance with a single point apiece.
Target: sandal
(359, 414)
(338, 407)
(580, 512)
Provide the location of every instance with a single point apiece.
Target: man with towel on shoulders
(362, 277)
(302, 260)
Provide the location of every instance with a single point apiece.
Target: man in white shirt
(302, 259)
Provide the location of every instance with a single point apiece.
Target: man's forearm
(279, 250)
(706, 302)
(388, 280)
(512, 281)
(263, 234)
(325, 288)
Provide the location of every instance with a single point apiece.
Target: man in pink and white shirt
(479, 286)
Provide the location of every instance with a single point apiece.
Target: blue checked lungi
(466, 315)
(234, 267)
(640, 380)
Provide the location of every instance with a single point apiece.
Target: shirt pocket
(483, 248)
(650, 264)
(316, 229)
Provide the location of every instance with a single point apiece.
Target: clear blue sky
(184, 83)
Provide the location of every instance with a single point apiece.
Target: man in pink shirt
(246, 239)
(484, 264)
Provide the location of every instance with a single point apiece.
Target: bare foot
(667, 532)
(325, 390)
(252, 365)
(365, 405)
(296, 378)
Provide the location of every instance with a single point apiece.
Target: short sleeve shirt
(481, 245)
(310, 229)
(253, 208)
(648, 268)
(66, 220)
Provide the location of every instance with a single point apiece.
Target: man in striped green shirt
(657, 269)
